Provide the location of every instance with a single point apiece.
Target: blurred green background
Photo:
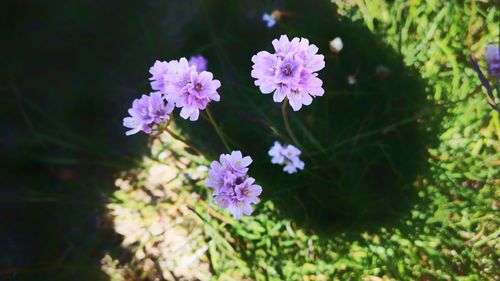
(401, 172)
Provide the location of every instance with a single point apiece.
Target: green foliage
(362, 144)
(426, 137)
(452, 232)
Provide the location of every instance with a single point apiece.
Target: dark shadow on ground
(69, 72)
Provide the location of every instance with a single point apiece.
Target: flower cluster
(146, 113)
(234, 190)
(290, 72)
(185, 85)
(286, 155)
(493, 59)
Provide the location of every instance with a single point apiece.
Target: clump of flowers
(194, 92)
(493, 59)
(199, 62)
(289, 72)
(288, 156)
(146, 113)
(234, 190)
(185, 85)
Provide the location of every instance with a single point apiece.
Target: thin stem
(186, 142)
(287, 123)
(218, 130)
(373, 132)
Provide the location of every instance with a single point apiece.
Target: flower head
(176, 78)
(166, 76)
(493, 59)
(199, 62)
(286, 155)
(185, 84)
(234, 190)
(159, 71)
(196, 93)
(147, 112)
(290, 72)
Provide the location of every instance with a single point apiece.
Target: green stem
(374, 132)
(186, 142)
(287, 123)
(218, 130)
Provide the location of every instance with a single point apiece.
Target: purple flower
(264, 69)
(196, 93)
(269, 19)
(199, 62)
(290, 72)
(185, 85)
(287, 156)
(166, 76)
(176, 78)
(493, 59)
(248, 191)
(159, 71)
(234, 190)
(231, 169)
(147, 112)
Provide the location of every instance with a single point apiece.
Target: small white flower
(336, 45)
(288, 156)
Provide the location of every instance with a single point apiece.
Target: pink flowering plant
(282, 123)
(186, 85)
(147, 113)
(290, 72)
(234, 190)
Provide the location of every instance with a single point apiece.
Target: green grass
(401, 178)
(362, 144)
